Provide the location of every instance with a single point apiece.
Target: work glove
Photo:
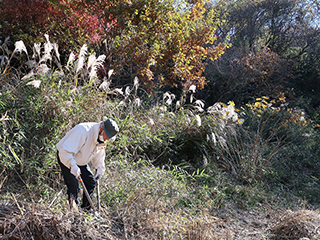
(75, 170)
(98, 175)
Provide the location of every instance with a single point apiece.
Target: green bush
(300, 173)
(253, 148)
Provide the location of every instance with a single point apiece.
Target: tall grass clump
(39, 101)
(299, 174)
(176, 131)
(252, 149)
(153, 128)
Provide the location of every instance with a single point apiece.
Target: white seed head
(118, 90)
(198, 120)
(199, 103)
(192, 88)
(136, 82)
(151, 122)
(34, 83)
(137, 102)
(20, 47)
(71, 58)
(82, 55)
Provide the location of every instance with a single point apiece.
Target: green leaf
(15, 155)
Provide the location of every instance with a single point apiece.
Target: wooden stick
(87, 194)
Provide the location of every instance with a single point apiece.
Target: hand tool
(87, 194)
(98, 196)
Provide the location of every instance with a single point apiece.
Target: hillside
(217, 104)
(54, 220)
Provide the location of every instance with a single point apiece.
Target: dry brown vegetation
(21, 221)
(297, 225)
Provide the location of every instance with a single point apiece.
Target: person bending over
(84, 143)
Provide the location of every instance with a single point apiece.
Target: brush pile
(44, 224)
(297, 225)
(41, 223)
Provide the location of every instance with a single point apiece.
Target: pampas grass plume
(71, 58)
(34, 83)
(56, 50)
(20, 47)
(198, 120)
(96, 62)
(36, 50)
(82, 55)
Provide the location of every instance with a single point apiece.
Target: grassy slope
(153, 188)
(143, 202)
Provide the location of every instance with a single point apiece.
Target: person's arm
(99, 164)
(71, 144)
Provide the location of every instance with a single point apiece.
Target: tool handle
(98, 196)
(86, 192)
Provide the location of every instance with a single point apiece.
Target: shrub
(251, 150)
(30, 20)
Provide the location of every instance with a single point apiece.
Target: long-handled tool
(98, 196)
(87, 194)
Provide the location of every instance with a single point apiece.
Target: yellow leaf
(231, 103)
(257, 104)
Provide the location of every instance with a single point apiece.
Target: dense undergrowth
(175, 160)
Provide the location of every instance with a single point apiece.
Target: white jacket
(80, 146)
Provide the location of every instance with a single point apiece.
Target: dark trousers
(73, 184)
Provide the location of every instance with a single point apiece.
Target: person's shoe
(86, 207)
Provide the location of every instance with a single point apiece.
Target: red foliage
(28, 20)
(87, 22)
(18, 15)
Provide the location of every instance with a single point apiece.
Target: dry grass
(296, 225)
(42, 223)
(135, 221)
(153, 212)
(176, 225)
(30, 222)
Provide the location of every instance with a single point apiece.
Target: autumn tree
(24, 19)
(165, 42)
(29, 20)
(274, 24)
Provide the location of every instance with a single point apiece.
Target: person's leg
(70, 180)
(90, 183)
